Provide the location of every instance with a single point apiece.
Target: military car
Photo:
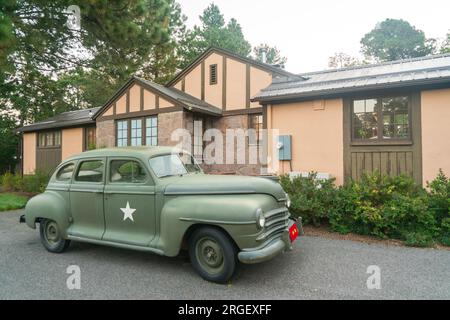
(157, 199)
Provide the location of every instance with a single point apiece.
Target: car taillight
(293, 232)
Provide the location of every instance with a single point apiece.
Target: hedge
(377, 205)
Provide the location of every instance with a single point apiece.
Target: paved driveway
(317, 269)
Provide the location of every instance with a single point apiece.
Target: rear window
(90, 171)
(65, 173)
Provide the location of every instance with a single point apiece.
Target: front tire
(213, 255)
(51, 236)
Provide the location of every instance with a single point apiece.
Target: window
(90, 171)
(256, 124)
(90, 136)
(122, 133)
(213, 74)
(49, 139)
(127, 171)
(173, 165)
(198, 139)
(65, 173)
(151, 131)
(381, 119)
(136, 132)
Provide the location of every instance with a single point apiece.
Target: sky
(309, 32)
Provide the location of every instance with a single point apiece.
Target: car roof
(140, 152)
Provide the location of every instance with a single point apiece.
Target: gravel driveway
(318, 268)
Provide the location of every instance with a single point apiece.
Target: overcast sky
(308, 32)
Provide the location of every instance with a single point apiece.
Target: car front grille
(277, 221)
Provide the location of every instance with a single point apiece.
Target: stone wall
(167, 124)
(233, 122)
(106, 134)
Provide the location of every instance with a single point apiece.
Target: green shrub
(310, 198)
(8, 182)
(419, 239)
(382, 206)
(439, 205)
(35, 183)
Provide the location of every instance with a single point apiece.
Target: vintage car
(157, 199)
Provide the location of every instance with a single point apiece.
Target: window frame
(129, 131)
(86, 137)
(380, 140)
(258, 142)
(214, 67)
(53, 133)
(78, 167)
(148, 179)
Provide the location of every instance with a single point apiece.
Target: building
(390, 117)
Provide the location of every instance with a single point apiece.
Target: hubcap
(51, 232)
(209, 255)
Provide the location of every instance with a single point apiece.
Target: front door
(129, 203)
(86, 199)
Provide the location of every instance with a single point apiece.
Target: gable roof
(267, 67)
(401, 73)
(176, 96)
(63, 120)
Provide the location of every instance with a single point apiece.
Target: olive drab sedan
(157, 199)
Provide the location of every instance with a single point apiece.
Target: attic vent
(213, 74)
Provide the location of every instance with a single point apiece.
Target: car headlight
(288, 201)
(260, 219)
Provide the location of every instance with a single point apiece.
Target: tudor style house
(390, 117)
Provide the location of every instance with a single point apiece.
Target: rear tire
(51, 237)
(212, 254)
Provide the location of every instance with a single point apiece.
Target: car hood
(217, 184)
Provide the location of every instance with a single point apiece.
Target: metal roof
(431, 69)
(62, 120)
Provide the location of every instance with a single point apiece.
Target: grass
(9, 201)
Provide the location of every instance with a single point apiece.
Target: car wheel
(51, 236)
(212, 254)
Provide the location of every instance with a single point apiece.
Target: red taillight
(293, 232)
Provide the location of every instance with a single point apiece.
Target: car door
(86, 199)
(129, 203)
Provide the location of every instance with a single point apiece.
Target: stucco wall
(236, 85)
(193, 82)
(213, 92)
(149, 100)
(29, 152)
(435, 133)
(72, 142)
(258, 80)
(317, 136)
(135, 98)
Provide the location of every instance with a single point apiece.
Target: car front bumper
(271, 250)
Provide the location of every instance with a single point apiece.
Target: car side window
(127, 171)
(90, 171)
(65, 173)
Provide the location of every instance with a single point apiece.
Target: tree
(343, 60)
(396, 39)
(8, 143)
(271, 55)
(445, 48)
(213, 31)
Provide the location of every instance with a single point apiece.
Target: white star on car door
(128, 212)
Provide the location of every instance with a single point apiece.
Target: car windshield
(173, 165)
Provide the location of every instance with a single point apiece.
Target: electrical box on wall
(284, 147)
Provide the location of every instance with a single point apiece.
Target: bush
(382, 206)
(310, 198)
(35, 183)
(439, 205)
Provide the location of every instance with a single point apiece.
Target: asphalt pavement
(317, 268)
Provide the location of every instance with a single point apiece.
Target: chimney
(264, 55)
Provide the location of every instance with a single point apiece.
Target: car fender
(235, 214)
(49, 205)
